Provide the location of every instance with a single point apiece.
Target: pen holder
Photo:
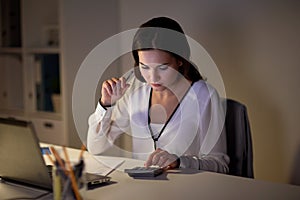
(69, 185)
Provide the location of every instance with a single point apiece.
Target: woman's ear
(179, 62)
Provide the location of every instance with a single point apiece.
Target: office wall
(255, 45)
(84, 25)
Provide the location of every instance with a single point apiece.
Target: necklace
(155, 139)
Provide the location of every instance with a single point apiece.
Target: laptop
(21, 158)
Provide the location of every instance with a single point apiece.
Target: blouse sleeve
(106, 125)
(213, 150)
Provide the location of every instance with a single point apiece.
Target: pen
(128, 74)
(113, 169)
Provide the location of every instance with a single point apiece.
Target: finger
(123, 90)
(163, 159)
(106, 87)
(166, 168)
(169, 163)
(114, 79)
(148, 162)
(118, 88)
(150, 158)
(172, 162)
(112, 82)
(123, 82)
(159, 158)
(106, 92)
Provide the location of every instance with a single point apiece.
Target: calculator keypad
(144, 171)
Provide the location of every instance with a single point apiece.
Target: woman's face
(159, 68)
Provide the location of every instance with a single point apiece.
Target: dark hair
(167, 35)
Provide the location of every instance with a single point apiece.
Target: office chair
(239, 142)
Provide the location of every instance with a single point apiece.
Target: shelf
(11, 50)
(21, 114)
(30, 65)
(46, 115)
(35, 50)
(42, 50)
(12, 113)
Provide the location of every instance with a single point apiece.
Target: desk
(183, 184)
(180, 184)
(188, 185)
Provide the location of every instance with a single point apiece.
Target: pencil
(72, 176)
(83, 148)
(58, 159)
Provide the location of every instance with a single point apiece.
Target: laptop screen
(21, 159)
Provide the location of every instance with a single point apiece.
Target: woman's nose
(154, 76)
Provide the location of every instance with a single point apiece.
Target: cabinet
(31, 66)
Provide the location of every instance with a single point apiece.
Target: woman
(174, 117)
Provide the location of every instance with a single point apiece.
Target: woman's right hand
(112, 90)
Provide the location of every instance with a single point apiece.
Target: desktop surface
(176, 184)
(193, 184)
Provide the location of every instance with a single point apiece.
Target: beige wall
(84, 25)
(255, 45)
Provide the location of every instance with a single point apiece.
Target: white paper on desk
(101, 165)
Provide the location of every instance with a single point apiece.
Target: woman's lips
(155, 85)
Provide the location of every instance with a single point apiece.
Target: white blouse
(195, 133)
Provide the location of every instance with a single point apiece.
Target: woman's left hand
(163, 159)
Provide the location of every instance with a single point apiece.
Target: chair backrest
(239, 141)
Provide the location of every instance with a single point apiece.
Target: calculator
(144, 171)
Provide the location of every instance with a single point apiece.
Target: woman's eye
(163, 67)
(144, 67)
